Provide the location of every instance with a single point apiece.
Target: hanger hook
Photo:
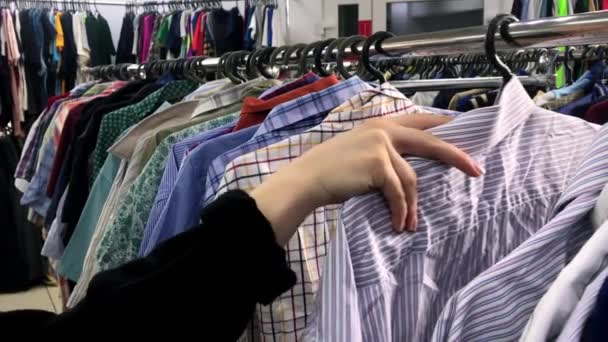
(304, 67)
(262, 63)
(500, 22)
(349, 42)
(318, 54)
(375, 39)
(274, 58)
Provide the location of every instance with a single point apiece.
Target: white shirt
(557, 304)
(574, 326)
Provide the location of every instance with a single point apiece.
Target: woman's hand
(356, 162)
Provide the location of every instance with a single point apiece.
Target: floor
(41, 297)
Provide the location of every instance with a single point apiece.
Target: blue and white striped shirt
(498, 303)
(382, 286)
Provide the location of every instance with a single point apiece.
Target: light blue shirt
(177, 154)
(181, 211)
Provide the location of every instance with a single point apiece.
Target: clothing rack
(125, 3)
(579, 29)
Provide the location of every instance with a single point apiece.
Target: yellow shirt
(59, 42)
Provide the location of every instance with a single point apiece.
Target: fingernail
(398, 226)
(413, 224)
(481, 169)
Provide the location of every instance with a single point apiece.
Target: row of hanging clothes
(180, 29)
(121, 163)
(535, 9)
(43, 49)
(585, 94)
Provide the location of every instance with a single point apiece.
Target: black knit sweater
(201, 285)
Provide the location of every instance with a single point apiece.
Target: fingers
(422, 121)
(423, 144)
(392, 189)
(407, 176)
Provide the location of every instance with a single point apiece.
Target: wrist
(286, 199)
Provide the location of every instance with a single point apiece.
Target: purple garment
(147, 37)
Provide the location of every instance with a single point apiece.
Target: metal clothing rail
(579, 29)
(468, 83)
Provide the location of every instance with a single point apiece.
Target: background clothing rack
(580, 29)
(125, 3)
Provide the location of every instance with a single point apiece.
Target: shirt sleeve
(205, 281)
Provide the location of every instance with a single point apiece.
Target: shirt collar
(484, 128)
(376, 99)
(230, 96)
(311, 104)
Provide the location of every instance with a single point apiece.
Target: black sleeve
(204, 282)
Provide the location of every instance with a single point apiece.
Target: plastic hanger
(303, 62)
(500, 22)
(376, 40)
(318, 57)
(349, 42)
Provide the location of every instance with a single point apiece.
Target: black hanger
(252, 63)
(229, 68)
(297, 49)
(318, 55)
(263, 62)
(274, 55)
(303, 65)
(349, 42)
(500, 22)
(376, 40)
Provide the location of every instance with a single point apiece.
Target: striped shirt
(524, 276)
(285, 319)
(379, 285)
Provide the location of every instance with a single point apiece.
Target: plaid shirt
(293, 117)
(27, 163)
(285, 319)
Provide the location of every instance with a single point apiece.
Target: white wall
(493, 7)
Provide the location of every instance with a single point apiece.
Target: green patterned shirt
(114, 123)
(122, 238)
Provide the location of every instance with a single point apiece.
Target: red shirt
(254, 110)
(54, 99)
(598, 113)
(66, 136)
(198, 39)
